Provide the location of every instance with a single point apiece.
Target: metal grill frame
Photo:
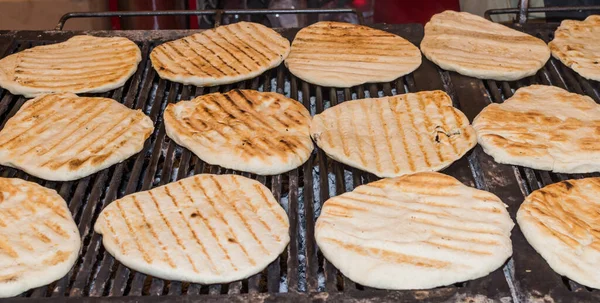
(98, 277)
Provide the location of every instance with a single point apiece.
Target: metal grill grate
(301, 272)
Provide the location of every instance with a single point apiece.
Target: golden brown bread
(259, 132)
(343, 54)
(80, 64)
(223, 55)
(575, 44)
(64, 137)
(562, 222)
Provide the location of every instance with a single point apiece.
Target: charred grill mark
(264, 198)
(187, 222)
(419, 139)
(113, 234)
(459, 249)
(56, 228)
(133, 234)
(427, 123)
(153, 232)
(386, 135)
(213, 53)
(264, 47)
(173, 233)
(337, 114)
(227, 51)
(267, 37)
(200, 68)
(367, 113)
(248, 46)
(57, 210)
(6, 246)
(258, 64)
(568, 185)
(463, 229)
(221, 216)
(41, 236)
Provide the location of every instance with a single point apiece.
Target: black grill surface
(300, 273)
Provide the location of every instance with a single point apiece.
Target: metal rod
(218, 13)
(488, 14)
(523, 7)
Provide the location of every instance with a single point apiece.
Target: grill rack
(300, 273)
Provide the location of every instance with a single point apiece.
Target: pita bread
(414, 232)
(394, 136)
(202, 229)
(476, 47)
(63, 137)
(561, 222)
(224, 55)
(246, 130)
(82, 64)
(542, 127)
(341, 54)
(575, 45)
(39, 241)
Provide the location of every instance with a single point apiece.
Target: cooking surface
(301, 272)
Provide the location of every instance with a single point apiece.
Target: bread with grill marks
(63, 137)
(476, 47)
(341, 54)
(575, 44)
(414, 232)
(226, 54)
(39, 241)
(82, 64)
(203, 229)
(542, 127)
(561, 222)
(258, 132)
(394, 136)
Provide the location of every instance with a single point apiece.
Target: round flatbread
(82, 64)
(575, 45)
(394, 136)
(414, 232)
(62, 137)
(259, 132)
(203, 229)
(542, 127)
(226, 54)
(39, 241)
(561, 222)
(476, 47)
(341, 54)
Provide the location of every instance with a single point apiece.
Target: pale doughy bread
(82, 64)
(227, 54)
(203, 229)
(341, 54)
(39, 241)
(393, 136)
(561, 221)
(476, 47)
(64, 137)
(542, 127)
(259, 132)
(576, 45)
(414, 232)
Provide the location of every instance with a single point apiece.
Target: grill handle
(218, 13)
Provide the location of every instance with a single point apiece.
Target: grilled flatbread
(542, 127)
(64, 137)
(341, 54)
(203, 229)
(224, 55)
(394, 136)
(476, 47)
(39, 242)
(414, 232)
(575, 44)
(82, 64)
(262, 133)
(561, 222)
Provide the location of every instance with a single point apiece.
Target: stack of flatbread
(204, 229)
(39, 242)
(393, 136)
(223, 55)
(414, 232)
(542, 127)
(82, 64)
(561, 222)
(259, 132)
(343, 55)
(63, 137)
(575, 44)
(476, 47)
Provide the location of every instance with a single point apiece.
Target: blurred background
(44, 14)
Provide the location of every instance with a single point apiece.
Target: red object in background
(410, 11)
